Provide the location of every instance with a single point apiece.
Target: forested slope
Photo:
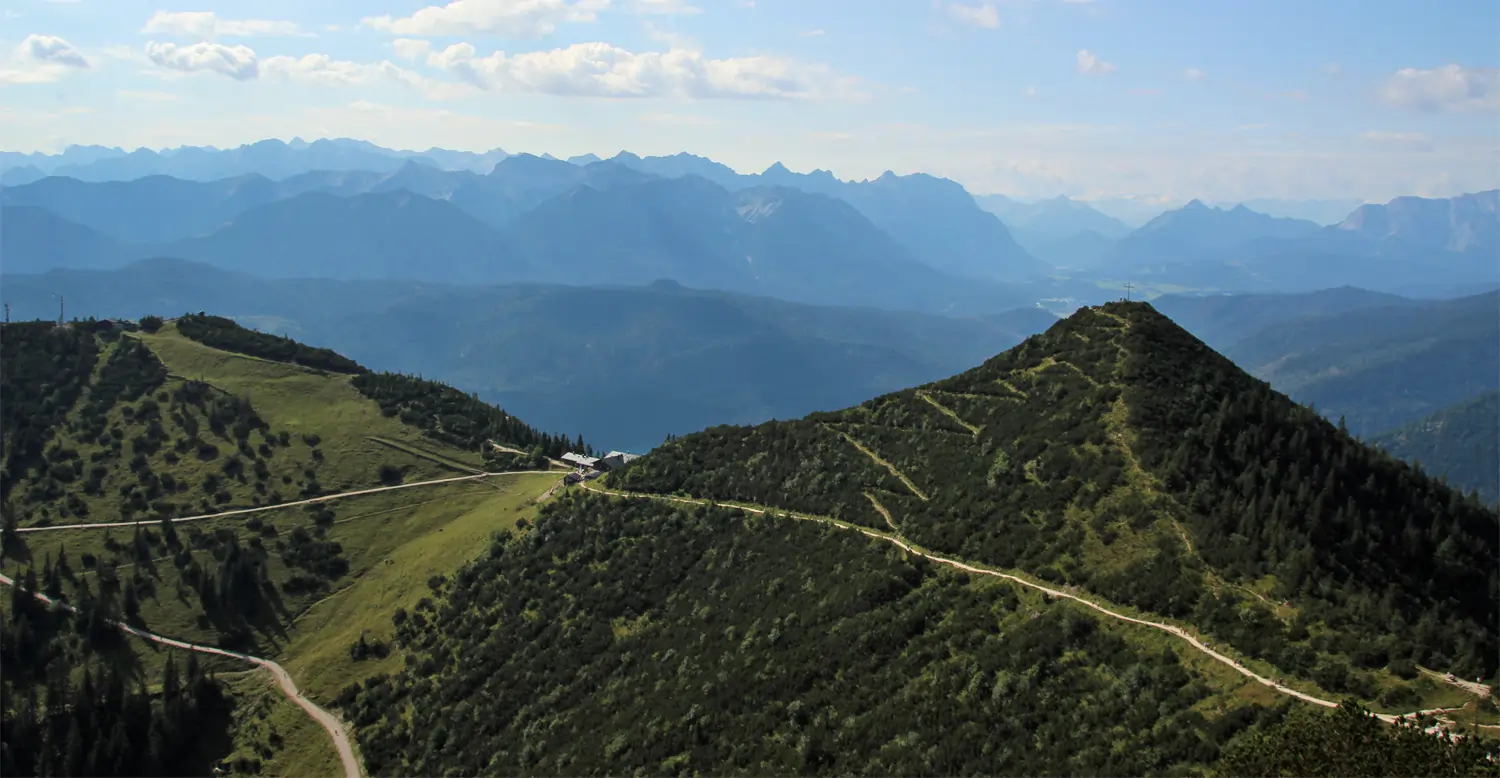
(1117, 453)
(622, 637)
(143, 429)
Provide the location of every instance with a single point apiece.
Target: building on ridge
(615, 459)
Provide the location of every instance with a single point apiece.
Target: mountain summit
(1117, 453)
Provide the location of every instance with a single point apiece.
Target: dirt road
(1168, 628)
(278, 506)
(329, 722)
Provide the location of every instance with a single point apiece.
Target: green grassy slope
(1460, 443)
(155, 427)
(1118, 454)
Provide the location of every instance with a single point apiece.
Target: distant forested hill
(1460, 443)
(1379, 367)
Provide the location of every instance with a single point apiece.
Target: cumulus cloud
(324, 70)
(530, 18)
(52, 50)
(42, 59)
(981, 15)
(206, 26)
(1448, 88)
(237, 62)
(1090, 65)
(603, 70)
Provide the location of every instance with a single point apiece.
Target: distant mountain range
(1062, 232)
(935, 219)
(1411, 246)
(624, 366)
(937, 249)
(632, 229)
(273, 159)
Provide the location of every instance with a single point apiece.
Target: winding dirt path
(278, 506)
(329, 722)
(964, 566)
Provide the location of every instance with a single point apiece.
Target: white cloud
(323, 70)
(531, 18)
(1448, 88)
(812, 33)
(1029, 91)
(981, 15)
(1193, 74)
(411, 49)
(603, 70)
(206, 26)
(237, 62)
(1409, 141)
(42, 59)
(1091, 65)
(51, 50)
(670, 7)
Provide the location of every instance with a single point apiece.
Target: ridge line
(1176, 631)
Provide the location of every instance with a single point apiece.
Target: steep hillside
(217, 486)
(1460, 443)
(1381, 367)
(1118, 454)
(637, 637)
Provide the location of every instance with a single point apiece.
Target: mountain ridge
(1102, 417)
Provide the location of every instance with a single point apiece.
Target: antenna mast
(61, 301)
(1127, 291)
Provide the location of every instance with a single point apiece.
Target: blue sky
(1108, 98)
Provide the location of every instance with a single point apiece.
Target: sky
(1096, 99)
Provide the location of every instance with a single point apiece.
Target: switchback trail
(1168, 628)
(329, 722)
(278, 506)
